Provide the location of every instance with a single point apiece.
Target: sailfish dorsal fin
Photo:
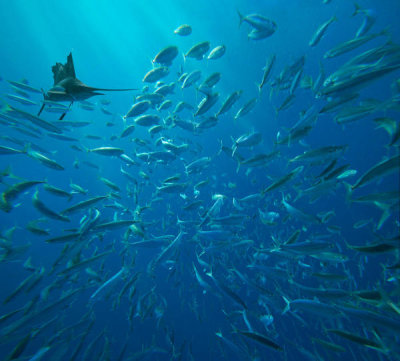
(62, 71)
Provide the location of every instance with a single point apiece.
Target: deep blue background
(112, 44)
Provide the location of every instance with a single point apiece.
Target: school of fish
(161, 221)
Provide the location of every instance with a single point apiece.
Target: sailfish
(67, 87)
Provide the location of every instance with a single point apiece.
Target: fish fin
(393, 306)
(241, 17)
(210, 274)
(178, 221)
(62, 71)
(357, 9)
(123, 118)
(41, 108)
(221, 145)
(235, 329)
(258, 88)
(385, 215)
(7, 172)
(238, 166)
(389, 125)
(28, 149)
(349, 190)
(152, 63)
(287, 307)
(234, 146)
(386, 32)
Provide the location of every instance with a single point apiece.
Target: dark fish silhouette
(67, 87)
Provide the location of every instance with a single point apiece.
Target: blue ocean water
(206, 296)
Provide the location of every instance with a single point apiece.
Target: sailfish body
(70, 89)
(67, 87)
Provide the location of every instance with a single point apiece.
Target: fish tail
(7, 172)
(287, 307)
(5, 206)
(357, 9)
(27, 148)
(390, 303)
(241, 17)
(259, 87)
(349, 190)
(7, 108)
(179, 222)
(238, 166)
(385, 32)
(271, 92)
(234, 148)
(385, 215)
(221, 145)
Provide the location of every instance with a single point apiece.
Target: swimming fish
(67, 87)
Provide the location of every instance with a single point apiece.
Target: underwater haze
(200, 180)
